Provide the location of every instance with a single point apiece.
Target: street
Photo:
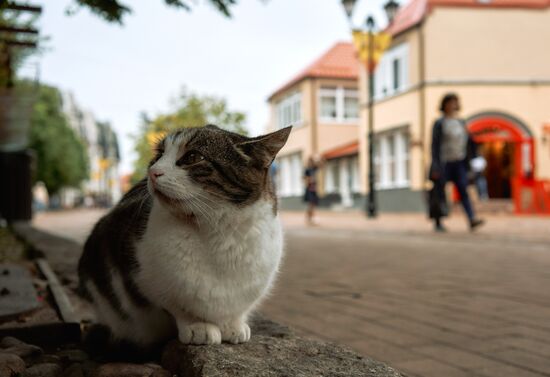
(451, 305)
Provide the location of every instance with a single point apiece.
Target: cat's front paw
(200, 333)
(236, 333)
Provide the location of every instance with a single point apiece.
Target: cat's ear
(263, 149)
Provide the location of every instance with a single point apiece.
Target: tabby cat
(194, 247)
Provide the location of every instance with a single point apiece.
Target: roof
(416, 10)
(339, 62)
(343, 150)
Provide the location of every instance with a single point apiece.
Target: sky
(117, 72)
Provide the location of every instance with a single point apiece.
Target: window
(332, 176)
(396, 74)
(338, 104)
(351, 107)
(289, 175)
(391, 75)
(391, 159)
(289, 110)
(328, 104)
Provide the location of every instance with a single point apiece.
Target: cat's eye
(190, 158)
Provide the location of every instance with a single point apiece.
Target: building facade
(322, 105)
(103, 185)
(489, 54)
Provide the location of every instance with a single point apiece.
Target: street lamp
(391, 8)
(369, 44)
(348, 7)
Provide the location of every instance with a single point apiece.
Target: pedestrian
(452, 150)
(478, 165)
(311, 197)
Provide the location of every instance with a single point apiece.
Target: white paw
(236, 333)
(200, 333)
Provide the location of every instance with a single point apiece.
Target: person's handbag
(437, 202)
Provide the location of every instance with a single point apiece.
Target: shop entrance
(507, 145)
(500, 168)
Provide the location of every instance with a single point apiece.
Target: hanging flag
(381, 43)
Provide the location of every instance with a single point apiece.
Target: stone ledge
(273, 351)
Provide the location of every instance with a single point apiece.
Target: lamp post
(370, 63)
(371, 198)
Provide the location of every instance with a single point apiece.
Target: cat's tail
(99, 343)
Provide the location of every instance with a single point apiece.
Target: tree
(12, 58)
(61, 159)
(114, 10)
(189, 110)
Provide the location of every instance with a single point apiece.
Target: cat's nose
(154, 174)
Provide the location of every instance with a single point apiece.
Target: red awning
(342, 151)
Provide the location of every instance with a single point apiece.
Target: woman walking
(310, 196)
(452, 149)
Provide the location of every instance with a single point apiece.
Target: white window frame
(339, 93)
(288, 104)
(290, 175)
(384, 74)
(400, 157)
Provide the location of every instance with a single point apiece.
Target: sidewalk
(431, 305)
(76, 224)
(532, 228)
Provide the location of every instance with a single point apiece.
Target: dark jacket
(437, 140)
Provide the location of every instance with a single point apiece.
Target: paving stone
(430, 368)
(125, 370)
(42, 370)
(74, 370)
(13, 345)
(73, 355)
(10, 365)
(526, 359)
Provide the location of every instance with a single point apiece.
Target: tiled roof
(339, 62)
(416, 10)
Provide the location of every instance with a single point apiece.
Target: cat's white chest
(211, 273)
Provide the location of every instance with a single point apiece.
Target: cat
(193, 248)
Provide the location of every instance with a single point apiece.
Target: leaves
(61, 159)
(188, 110)
(114, 11)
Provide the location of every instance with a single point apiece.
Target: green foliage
(114, 10)
(12, 58)
(61, 159)
(189, 110)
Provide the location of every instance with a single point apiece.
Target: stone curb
(273, 351)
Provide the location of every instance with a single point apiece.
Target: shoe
(476, 223)
(440, 229)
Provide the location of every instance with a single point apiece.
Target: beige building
(322, 103)
(493, 55)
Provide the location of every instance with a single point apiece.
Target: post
(371, 201)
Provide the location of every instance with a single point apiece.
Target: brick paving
(429, 305)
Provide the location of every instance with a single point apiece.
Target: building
(102, 148)
(322, 103)
(489, 53)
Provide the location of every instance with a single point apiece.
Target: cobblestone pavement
(429, 305)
